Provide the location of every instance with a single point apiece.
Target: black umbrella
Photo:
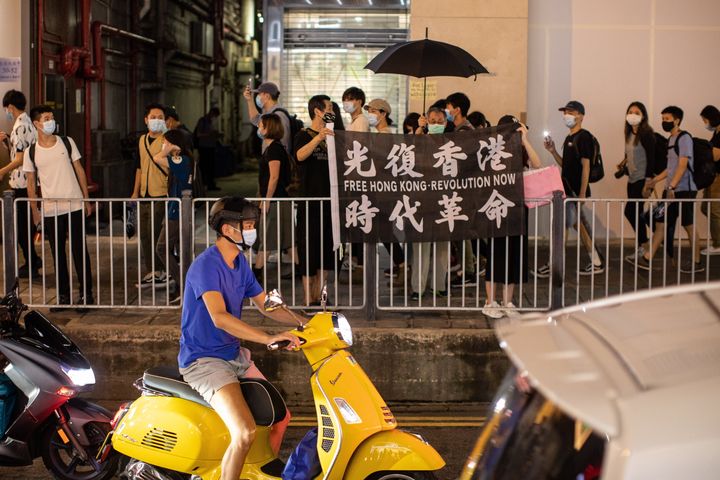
(426, 58)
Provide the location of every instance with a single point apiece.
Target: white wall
(608, 54)
(10, 46)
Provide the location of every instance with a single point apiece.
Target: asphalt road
(452, 430)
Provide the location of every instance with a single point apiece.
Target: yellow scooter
(171, 433)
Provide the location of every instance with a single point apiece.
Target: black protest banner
(422, 188)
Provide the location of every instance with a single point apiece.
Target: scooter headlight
(342, 328)
(79, 376)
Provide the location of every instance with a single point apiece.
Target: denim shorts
(207, 375)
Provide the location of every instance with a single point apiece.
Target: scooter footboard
(393, 450)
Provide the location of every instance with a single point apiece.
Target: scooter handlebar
(281, 345)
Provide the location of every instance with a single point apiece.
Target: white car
(622, 388)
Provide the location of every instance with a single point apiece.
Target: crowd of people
(497, 260)
(294, 163)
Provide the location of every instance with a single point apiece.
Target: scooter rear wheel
(402, 476)
(63, 461)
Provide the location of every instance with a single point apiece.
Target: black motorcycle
(48, 419)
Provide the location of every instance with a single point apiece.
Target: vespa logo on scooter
(334, 381)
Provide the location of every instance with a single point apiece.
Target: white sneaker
(510, 310)
(153, 279)
(710, 251)
(493, 310)
(640, 252)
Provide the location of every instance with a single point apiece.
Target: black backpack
(661, 148)
(703, 164)
(597, 171)
(296, 125)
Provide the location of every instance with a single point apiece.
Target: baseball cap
(379, 104)
(170, 112)
(573, 105)
(269, 88)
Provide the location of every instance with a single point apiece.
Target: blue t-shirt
(209, 272)
(180, 180)
(685, 148)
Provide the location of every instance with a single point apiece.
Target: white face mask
(249, 237)
(373, 119)
(157, 125)
(570, 120)
(633, 119)
(349, 107)
(49, 127)
(259, 102)
(709, 127)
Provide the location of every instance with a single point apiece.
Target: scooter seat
(265, 402)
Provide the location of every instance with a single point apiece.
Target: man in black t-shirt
(314, 222)
(578, 150)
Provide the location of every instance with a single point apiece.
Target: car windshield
(529, 437)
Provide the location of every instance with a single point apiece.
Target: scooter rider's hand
(285, 337)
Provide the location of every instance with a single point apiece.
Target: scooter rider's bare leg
(230, 404)
(277, 431)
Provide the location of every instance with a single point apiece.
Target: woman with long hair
(639, 165)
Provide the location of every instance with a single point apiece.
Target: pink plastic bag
(540, 184)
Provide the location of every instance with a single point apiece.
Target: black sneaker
(440, 293)
(470, 280)
(63, 303)
(81, 302)
(689, 266)
(542, 271)
(642, 262)
(415, 296)
(592, 269)
(24, 270)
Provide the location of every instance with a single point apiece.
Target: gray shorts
(207, 375)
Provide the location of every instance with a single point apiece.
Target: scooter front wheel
(402, 476)
(65, 463)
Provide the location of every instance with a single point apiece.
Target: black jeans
(633, 210)
(23, 220)
(69, 224)
(207, 165)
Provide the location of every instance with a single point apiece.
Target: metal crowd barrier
(624, 271)
(554, 259)
(104, 245)
(279, 252)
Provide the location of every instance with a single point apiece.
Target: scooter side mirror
(324, 298)
(273, 300)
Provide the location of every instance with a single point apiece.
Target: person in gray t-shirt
(679, 185)
(639, 165)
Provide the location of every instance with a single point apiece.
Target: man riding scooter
(211, 357)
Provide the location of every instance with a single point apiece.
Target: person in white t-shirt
(21, 137)
(61, 176)
(353, 100)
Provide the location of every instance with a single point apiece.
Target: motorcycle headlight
(80, 376)
(342, 328)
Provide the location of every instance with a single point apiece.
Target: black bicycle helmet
(231, 210)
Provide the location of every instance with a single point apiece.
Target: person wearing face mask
(578, 149)
(353, 100)
(422, 252)
(679, 184)
(212, 357)
(55, 162)
(379, 118)
(379, 115)
(507, 264)
(266, 100)
(639, 165)
(710, 116)
(314, 236)
(151, 181)
(176, 158)
(207, 137)
(457, 106)
(273, 180)
(22, 136)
